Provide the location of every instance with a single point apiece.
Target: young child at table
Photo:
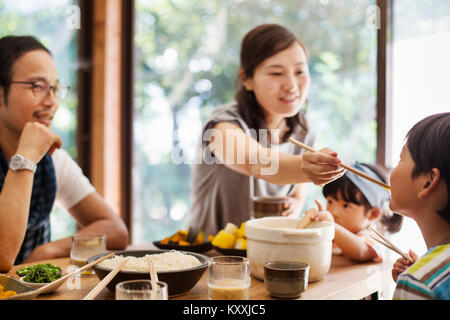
(354, 204)
(420, 190)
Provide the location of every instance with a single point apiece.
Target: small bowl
(286, 279)
(39, 285)
(268, 206)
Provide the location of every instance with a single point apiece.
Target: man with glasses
(34, 171)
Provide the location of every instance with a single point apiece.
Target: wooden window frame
(105, 94)
(384, 83)
(127, 111)
(84, 86)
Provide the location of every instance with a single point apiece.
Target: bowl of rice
(180, 270)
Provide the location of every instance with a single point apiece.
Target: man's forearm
(15, 200)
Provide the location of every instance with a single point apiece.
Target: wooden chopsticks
(102, 284)
(389, 244)
(153, 276)
(349, 168)
(153, 273)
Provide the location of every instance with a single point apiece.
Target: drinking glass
(228, 278)
(141, 290)
(86, 246)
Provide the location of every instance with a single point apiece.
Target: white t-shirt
(72, 185)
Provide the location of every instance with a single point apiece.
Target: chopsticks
(64, 278)
(349, 168)
(102, 284)
(153, 275)
(389, 244)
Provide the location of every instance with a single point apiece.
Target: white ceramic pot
(275, 238)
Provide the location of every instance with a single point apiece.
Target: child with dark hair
(354, 204)
(420, 190)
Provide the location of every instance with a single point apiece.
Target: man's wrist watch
(19, 162)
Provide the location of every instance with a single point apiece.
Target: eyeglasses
(41, 89)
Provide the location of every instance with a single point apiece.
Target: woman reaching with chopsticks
(244, 150)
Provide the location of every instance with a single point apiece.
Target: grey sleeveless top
(219, 194)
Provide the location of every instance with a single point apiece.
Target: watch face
(16, 162)
(19, 162)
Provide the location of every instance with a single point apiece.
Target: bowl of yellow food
(13, 289)
(231, 240)
(193, 240)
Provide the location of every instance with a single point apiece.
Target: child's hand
(402, 264)
(321, 215)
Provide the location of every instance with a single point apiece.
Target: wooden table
(346, 280)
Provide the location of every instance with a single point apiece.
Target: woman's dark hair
(259, 44)
(429, 145)
(350, 193)
(11, 49)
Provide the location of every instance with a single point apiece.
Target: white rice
(167, 261)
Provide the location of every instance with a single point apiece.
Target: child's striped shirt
(428, 278)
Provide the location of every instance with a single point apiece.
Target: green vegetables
(40, 273)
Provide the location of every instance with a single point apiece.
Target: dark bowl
(286, 279)
(178, 281)
(231, 252)
(268, 206)
(199, 248)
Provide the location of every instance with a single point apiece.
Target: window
(421, 47)
(420, 77)
(187, 56)
(49, 22)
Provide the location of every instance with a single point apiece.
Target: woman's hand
(321, 167)
(292, 206)
(402, 264)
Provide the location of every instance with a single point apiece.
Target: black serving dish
(199, 248)
(178, 281)
(231, 252)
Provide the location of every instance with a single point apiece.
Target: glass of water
(86, 246)
(141, 290)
